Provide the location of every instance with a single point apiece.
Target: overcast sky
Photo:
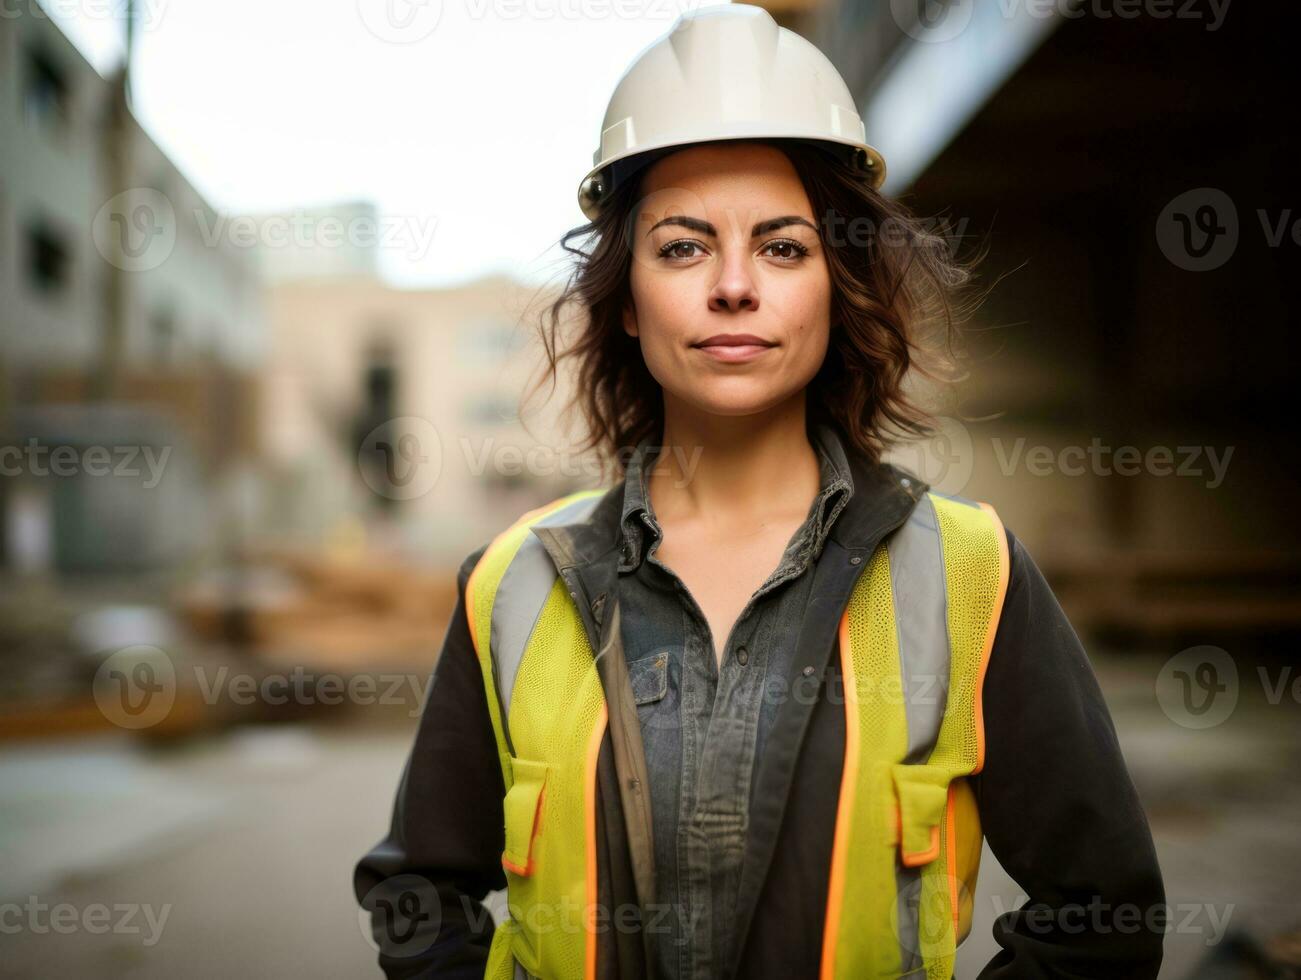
(468, 123)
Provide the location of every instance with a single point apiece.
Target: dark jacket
(1057, 805)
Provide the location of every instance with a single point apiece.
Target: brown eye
(789, 249)
(672, 249)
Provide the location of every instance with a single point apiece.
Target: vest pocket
(921, 792)
(523, 812)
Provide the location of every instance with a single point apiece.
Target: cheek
(663, 308)
(808, 311)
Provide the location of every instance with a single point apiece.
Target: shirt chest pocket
(650, 678)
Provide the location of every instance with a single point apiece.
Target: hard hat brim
(621, 166)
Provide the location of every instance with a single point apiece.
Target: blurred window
(163, 324)
(46, 96)
(487, 341)
(48, 259)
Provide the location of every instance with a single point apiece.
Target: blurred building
(132, 323)
(1130, 170)
(399, 409)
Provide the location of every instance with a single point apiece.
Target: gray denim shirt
(703, 726)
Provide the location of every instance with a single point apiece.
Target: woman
(750, 712)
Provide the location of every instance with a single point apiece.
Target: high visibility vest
(915, 639)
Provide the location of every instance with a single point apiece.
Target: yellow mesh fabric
(521, 811)
(554, 713)
(862, 899)
(930, 801)
(500, 965)
(481, 592)
(972, 574)
(966, 852)
(971, 570)
(557, 714)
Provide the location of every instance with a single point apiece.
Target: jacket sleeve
(424, 883)
(1057, 804)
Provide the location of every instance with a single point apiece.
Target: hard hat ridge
(720, 73)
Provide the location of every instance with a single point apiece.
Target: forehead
(747, 178)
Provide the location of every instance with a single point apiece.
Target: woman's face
(724, 242)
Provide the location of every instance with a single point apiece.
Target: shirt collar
(637, 519)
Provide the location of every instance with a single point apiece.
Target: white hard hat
(725, 72)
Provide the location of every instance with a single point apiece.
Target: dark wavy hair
(898, 293)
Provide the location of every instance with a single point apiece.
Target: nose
(734, 290)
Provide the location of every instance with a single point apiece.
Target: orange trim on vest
(593, 753)
(914, 858)
(951, 831)
(844, 809)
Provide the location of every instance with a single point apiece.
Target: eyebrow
(705, 228)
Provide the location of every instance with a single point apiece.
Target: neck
(734, 471)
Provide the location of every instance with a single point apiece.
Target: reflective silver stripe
(917, 587)
(521, 594)
(921, 619)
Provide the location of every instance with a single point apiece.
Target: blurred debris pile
(325, 611)
(271, 636)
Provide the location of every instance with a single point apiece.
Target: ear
(630, 319)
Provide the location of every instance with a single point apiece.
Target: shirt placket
(719, 713)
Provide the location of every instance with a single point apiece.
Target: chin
(735, 406)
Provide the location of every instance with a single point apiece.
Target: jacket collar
(872, 497)
(639, 529)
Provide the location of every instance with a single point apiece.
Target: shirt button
(742, 656)
(808, 671)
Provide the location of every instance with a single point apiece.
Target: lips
(734, 340)
(734, 348)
